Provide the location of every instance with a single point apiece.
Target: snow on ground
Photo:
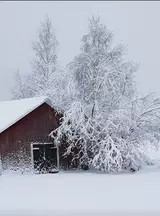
(80, 193)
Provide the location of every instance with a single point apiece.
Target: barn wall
(34, 127)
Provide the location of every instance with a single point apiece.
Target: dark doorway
(44, 158)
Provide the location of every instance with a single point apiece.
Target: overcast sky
(135, 24)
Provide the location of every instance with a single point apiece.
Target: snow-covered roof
(14, 110)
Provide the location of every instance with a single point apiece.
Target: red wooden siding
(35, 127)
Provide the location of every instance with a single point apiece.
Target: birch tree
(106, 124)
(45, 69)
(45, 61)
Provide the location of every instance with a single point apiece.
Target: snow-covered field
(81, 193)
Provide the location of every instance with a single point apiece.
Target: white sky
(135, 24)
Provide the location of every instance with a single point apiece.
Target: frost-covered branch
(106, 126)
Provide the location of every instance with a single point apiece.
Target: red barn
(24, 134)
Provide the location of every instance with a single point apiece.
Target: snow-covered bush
(114, 145)
(18, 161)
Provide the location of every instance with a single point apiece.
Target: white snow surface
(14, 110)
(81, 193)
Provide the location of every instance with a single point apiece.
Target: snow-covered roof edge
(44, 99)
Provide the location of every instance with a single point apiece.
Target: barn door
(44, 157)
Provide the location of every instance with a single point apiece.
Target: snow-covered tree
(20, 89)
(106, 126)
(46, 77)
(45, 63)
(100, 73)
